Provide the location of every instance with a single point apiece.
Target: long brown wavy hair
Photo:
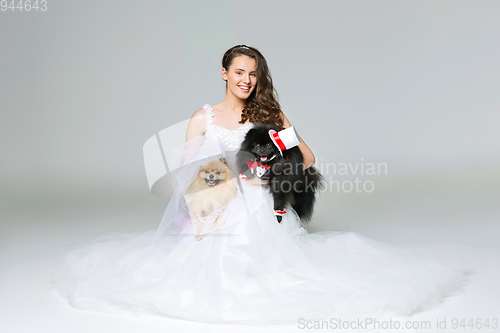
(262, 106)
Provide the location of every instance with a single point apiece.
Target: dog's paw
(279, 214)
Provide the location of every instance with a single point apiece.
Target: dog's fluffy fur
(211, 190)
(289, 183)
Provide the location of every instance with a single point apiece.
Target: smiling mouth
(267, 158)
(212, 182)
(245, 89)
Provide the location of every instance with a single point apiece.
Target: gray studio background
(413, 84)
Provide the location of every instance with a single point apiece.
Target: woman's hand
(255, 181)
(309, 158)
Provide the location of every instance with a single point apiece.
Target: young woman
(250, 97)
(254, 270)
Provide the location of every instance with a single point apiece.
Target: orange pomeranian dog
(208, 194)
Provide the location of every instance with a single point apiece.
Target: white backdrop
(413, 84)
(410, 83)
(83, 85)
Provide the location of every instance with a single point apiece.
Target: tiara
(237, 47)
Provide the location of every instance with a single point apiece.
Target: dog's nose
(211, 176)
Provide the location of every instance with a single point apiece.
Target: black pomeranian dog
(289, 183)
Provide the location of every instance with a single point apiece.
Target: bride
(252, 270)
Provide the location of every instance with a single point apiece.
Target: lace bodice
(230, 138)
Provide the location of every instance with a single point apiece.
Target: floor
(33, 240)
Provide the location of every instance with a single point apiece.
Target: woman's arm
(196, 127)
(309, 158)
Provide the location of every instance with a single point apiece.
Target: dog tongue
(263, 158)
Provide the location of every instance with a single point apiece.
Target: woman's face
(241, 77)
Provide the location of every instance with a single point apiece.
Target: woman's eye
(238, 72)
(253, 74)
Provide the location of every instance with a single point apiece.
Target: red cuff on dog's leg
(279, 211)
(242, 176)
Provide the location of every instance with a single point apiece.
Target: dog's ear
(223, 160)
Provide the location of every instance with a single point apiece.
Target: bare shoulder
(286, 122)
(198, 113)
(197, 124)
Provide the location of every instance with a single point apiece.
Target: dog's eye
(206, 171)
(269, 145)
(217, 172)
(257, 146)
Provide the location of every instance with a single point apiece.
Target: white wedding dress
(253, 270)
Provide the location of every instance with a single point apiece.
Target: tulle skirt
(255, 271)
